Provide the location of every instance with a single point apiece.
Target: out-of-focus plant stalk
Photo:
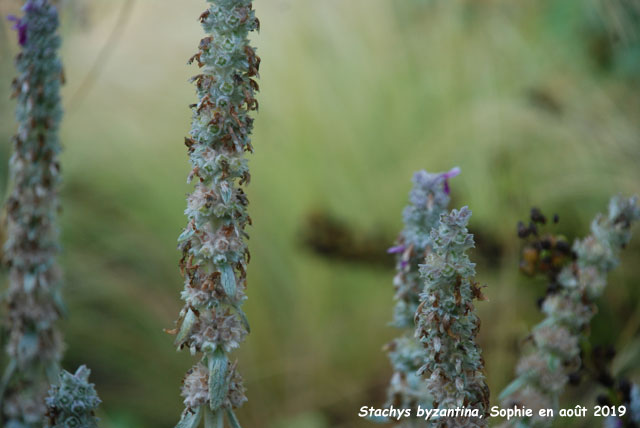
(215, 253)
(32, 301)
(543, 373)
(447, 325)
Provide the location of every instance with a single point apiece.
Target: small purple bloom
(29, 7)
(404, 263)
(20, 27)
(447, 175)
(397, 249)
(455, 171)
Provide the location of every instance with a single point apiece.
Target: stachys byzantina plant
(72, 402)
(215, 253)
(447, 325)
(428, 199)
(543, 373)
(32, 301)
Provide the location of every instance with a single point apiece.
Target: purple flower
(20, 27)
(397, 249)
(29, 7)
(447, 175)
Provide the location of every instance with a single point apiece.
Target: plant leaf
(243, 318)
(218, 384)
(228, 278)
(213, 419)
(187, 323)
(225, 192)
(513, 387)
(29, 282)
(190, 420)
(233, 420)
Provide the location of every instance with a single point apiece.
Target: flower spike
(33, 302)
(213, 244)
(428, 200)
(447, 325)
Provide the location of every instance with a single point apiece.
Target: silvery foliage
(32, 301)
(447, 325)
(428, 199)
(215, 253)
(73, 401)
(543, 373)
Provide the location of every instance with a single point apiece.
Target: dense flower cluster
(213, 244)
(447, 325)
(72, 403)
(543, 374)
(195, 388)
(429, 198)
(33, 303)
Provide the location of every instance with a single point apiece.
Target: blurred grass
(355, 97)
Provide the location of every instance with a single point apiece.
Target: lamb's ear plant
(72, 402)
(32, 301)
(569, 307)
(447, 325)
(428, 199)
(215, 253)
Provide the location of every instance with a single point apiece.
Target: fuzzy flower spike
(543, 373)
(213, 244)
(428, 199)
(32, 301)
(447, 325)
(73, 401)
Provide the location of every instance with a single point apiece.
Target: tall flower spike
(32, 302)
(429, 198)
(215, 253)
(447, 325)
(543, 373)
(73, 401)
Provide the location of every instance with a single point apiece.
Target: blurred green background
(537, 101)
